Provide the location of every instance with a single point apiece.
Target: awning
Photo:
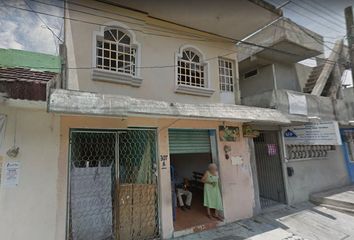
(87, 103)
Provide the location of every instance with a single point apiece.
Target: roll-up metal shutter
(189, 141)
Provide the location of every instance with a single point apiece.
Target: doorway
(191, 151)
(112, 185)
(269, 169)
(347, 135)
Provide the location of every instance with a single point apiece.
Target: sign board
(229, 134)
(11, 173)
(249, 132)
(297, 104)
(323, 133)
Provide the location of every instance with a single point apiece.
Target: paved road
(300, 222)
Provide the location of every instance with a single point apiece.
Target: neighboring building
(29, 139)
(310, 98)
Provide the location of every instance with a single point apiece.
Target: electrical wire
(81, 5)
(329, 11)
(124, 21)
(312, 19)
(317, 14)
(115, 19)
(165, 66)
(45, 24)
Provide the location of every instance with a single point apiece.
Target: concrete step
(341, 198)
(339, 209)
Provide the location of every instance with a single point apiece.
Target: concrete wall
(315, 175)
(287, 77)
(257, 84)
(236, 180)
(158, 83)
(28, 211)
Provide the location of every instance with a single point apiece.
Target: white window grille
(226, 75)
(115, 52)
(191, 71)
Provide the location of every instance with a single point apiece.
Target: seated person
(184, 190)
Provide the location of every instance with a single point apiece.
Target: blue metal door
(348, 149)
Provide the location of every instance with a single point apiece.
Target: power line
(317, 14)
(115, 19)
(313, 19)
(339, 17)
(244, 42)
(98, 24)
(39, 17)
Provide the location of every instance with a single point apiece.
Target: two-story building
(149, 87)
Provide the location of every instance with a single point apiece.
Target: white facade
(158, 45)
(28, 210)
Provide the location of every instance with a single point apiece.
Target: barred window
(226, 75)
(115, 52)
(191, 69)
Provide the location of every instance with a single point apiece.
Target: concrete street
(304, 221)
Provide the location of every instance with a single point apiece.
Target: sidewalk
(300, 222)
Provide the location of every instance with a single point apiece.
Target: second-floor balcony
(316, 108)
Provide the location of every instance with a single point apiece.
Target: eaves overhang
(223, 17)
(87, 103)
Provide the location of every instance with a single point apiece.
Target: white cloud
(8, 37)
(24, 30)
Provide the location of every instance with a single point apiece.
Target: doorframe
(253, 159)
(215, 159)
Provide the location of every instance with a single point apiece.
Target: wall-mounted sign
(11, 173)
(323, 133)
(249, 132)
(297, 104)
(229, 134)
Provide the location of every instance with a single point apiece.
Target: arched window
(191, 69)
(115, 52)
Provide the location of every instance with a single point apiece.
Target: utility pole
(349, 19)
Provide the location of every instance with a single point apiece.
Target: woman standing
(212, 195)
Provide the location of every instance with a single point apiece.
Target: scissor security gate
(113, 185)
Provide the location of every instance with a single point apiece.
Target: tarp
(91, 203)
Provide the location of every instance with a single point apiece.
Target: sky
(29, 31)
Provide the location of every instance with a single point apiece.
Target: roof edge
(268, 6)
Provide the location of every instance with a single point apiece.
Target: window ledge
(115, 77)
(192, 90)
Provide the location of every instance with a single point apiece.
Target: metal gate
(113, 185)
(269, 169)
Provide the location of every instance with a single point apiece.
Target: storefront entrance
(113, 185)
(269, 169)
(191, 151)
